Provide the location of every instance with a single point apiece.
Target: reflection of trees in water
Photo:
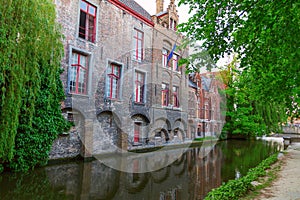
(240, 155)
(32, 185)
(190, 177)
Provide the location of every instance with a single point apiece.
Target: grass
(266, 181)
(239, 188)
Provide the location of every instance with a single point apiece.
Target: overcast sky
(150, 6)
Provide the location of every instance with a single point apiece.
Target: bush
(234, 189)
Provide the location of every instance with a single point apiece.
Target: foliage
(31, 90)
(234, 189)
(26, 185)
(265, 36)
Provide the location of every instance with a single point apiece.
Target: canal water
(191, 176)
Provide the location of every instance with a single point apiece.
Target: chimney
(159, 6)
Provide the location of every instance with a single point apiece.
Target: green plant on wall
(30, 86)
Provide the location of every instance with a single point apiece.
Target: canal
(191, 176)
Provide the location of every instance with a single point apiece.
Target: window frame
(165, 54)
(78, 66)
(175, 62)
(109, 83)
(89, 35)
(139, 96)
(173, 24)
(165, 95)
(138, 53)
(175, 96)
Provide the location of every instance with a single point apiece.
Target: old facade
(169, 105)
(121, 77)
(205, 104)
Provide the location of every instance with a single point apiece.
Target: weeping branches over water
(31, 51)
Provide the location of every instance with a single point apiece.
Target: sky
(150, 6)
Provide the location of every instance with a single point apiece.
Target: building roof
(136, 7)
(161, 13)
(192, 84)
(206, 81)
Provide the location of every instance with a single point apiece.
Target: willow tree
(265, 34)
(30, 86)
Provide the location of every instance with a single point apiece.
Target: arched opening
(110, 131)
(139, 134)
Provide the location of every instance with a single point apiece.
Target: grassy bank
(236, 189)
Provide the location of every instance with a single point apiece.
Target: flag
(171, 54)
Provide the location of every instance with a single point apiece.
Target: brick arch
(141, 117)
(167, 44)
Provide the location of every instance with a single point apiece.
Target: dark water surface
(192, 176)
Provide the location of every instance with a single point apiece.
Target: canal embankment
(287, 183)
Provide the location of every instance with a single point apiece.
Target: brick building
(123, 88)
(205, 104)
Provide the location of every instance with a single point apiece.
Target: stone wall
(107, 125)
(66, 146)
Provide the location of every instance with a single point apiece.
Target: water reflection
(191, 176)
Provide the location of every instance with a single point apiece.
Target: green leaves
(265, 36)
(31, 90)
(234, 189)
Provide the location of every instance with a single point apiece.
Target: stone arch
(160, 136)
(167, 44)
(162, 123)
(139, 129)
(140, 117)
(167, 76)
(177, 78)
(192, 129)
(160, 132)
(110, 125)
(179, 122)
(178, 135)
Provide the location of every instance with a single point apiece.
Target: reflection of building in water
(190, 177)
(204, 170)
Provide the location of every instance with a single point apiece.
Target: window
(113, 81)
(137, 130)
(175, 96)
(165, 94)
(173, 24)
(175, 63)
(87, 22)
(78, 73)
(139, 87)
(138, 40)
(165, 53)
(199, 131)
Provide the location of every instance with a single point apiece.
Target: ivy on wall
(30, 85)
